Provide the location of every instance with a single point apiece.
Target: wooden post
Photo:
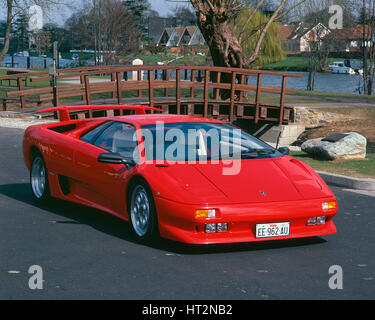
(257, 97)
(206, 78)
(166, 78)
(20, 88)
(57, 96)
(82, 81)
(232, 96)
(87, 90)
(217, 91)
(282, 100)
(150, 89)
(139, 75)
(118, 87)
(113, 79)
(192, 80)
(190, 109)
(178, 90)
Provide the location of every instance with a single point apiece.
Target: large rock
(350, 146)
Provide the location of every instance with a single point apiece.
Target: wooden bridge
(222, 93)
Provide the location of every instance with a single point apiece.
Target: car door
(103, 184)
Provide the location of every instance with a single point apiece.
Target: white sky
(162, 6)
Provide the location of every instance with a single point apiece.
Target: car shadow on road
(73, 213)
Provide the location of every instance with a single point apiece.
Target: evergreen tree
(140, 10)
(20, 33)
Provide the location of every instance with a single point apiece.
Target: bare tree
(15, 7)
(42, 41)
(107, 27)
(9, 20)
(216, 20)
(368, 45)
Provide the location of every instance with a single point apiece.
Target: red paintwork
(295, 191)
(65, 116)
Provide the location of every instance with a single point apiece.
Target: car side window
(92, 134)
(120, 137)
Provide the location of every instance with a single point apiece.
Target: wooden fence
(223, 93)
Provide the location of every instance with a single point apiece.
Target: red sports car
(189, 179)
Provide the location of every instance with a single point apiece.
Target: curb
(348, 182)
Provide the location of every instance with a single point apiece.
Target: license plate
(267, 230)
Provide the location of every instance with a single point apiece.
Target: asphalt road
(88, 254)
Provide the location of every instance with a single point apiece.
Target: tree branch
(255, 55)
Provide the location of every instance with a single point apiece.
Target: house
(181, 37)
(349, 39)
(175, 37)
(297, 37)
(197, 38)
(165, 36)
(186, 36)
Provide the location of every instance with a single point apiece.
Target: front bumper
(177, 221)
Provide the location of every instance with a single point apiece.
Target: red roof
(354, 33)
(180, 30)
(285, 31)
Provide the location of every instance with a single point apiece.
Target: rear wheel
(39, 179)
(142, 212)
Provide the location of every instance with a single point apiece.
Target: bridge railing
(223, 93)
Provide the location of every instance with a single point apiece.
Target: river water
(328, 82)
(340, 83)
(38, 62)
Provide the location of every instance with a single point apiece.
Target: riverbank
(296, 64)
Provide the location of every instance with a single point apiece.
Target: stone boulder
(350, 145)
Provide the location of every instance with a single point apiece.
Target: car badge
(263, 193)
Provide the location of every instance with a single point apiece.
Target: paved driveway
(88, 254)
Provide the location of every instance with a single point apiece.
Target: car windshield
(196, 141)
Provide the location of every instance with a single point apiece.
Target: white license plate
(267, 230)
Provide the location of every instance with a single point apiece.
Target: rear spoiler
(65, 116)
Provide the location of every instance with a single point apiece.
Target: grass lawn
(174, 59)
(292, 63)
(355, 168)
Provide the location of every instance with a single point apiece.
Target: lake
(340, 83)
(38, 62)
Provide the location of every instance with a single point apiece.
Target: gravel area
(19, 123)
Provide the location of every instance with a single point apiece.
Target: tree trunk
(5, 49)
(225, 49)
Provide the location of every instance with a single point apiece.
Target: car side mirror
(115, 158)
(284, 150)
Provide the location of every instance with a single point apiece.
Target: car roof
(146, 119)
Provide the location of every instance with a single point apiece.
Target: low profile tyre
(39, 179)
(142, 212)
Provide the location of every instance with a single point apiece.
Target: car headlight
(205, 213)
(329, 205)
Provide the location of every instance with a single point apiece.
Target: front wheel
(39, 179)
(142, 212)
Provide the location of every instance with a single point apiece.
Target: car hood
(259, 180)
